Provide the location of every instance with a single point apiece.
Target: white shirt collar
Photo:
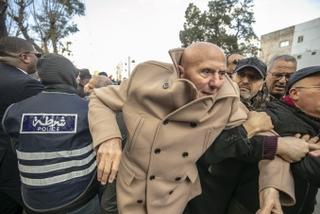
(22, 71)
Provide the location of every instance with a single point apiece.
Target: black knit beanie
(57, 71)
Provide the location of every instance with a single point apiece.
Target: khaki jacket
(169, 128)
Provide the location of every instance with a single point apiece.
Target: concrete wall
(270, 43)
(307, 51)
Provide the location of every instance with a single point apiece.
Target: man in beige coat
(172, 113)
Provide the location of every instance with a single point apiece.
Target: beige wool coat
(169, 128)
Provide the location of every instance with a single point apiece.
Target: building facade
(301, 41)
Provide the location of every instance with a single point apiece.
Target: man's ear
(25, 58)
(181, 71)
(294, 94)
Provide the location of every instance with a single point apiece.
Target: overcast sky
(112, 30)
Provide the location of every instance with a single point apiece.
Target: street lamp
(129, 64)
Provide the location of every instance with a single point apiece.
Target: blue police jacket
(56, 159)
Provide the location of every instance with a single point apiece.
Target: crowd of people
(207, 133)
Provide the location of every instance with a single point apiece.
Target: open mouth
(244, 89)
(279, 87)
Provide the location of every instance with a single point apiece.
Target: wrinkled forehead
(283, 66)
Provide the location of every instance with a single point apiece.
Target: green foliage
(47, 21)
(227, 23)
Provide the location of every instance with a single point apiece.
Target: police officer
(57, 163)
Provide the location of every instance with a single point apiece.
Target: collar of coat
(202, 105)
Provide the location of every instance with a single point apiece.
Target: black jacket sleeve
(308, 168)
(234, 143)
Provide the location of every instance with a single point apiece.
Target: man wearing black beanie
(57, 163)
(57, 73)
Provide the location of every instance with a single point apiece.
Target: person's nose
(214, 79)
(283, 79)
(245, 80)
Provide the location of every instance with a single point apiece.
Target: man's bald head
(204, 64)
(200, 50)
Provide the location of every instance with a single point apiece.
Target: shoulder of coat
(165, 65)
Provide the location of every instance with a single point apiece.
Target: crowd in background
(50, 161)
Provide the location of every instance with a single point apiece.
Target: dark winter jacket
(288, 121)
(224, 168)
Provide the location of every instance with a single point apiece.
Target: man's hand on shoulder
(257, 122)
(108, 160)
(292, 149)
(314, 144)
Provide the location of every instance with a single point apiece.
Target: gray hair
(284, 57)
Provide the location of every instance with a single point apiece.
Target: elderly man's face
(249, 81)
(306, 95)
(278, 75)
(207, 74)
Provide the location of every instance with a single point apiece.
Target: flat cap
(301, 74)
(254, 63)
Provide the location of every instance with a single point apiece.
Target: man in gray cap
(51, 136)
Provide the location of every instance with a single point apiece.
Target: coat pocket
(134, 133)
(131, 190)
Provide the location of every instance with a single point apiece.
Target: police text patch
(44, 123)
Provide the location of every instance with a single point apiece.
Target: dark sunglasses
(37, 54)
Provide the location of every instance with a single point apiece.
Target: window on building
(299, 57)
(300, 39)
(313, 52)
(284, 44)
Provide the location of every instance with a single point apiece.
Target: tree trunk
(3, 16)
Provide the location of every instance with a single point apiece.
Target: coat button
(165, 122)
(193, 124)
(152, 177)
(139, 201)
(177, 179)
(210, 169)
(185, 154)
(157, 151)
(165, 85)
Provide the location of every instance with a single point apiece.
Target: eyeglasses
(37, 54)
(279, 76)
